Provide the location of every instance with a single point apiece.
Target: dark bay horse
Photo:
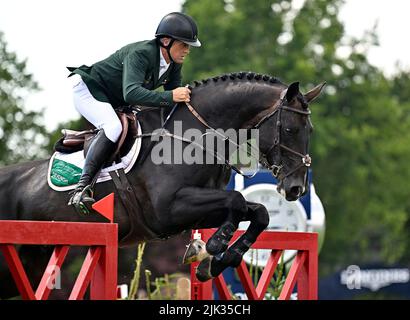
(177, 197)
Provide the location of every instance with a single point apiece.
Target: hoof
(203, 272)
(195, 252)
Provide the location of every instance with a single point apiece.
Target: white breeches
(100, 114)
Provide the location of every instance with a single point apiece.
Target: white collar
(162, 62)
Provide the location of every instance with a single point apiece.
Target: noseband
(276, 168)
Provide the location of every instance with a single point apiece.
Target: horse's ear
(312, 94)
(292, 91)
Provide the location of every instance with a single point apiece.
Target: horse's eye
(292, 130)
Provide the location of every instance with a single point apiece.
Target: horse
(172, 198)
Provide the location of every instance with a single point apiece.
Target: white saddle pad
(64, 169)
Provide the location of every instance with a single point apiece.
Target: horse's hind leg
(8, 287)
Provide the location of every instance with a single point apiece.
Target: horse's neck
(233, 107)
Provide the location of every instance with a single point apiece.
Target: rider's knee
(113, 130)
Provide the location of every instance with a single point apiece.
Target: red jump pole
(99, 269)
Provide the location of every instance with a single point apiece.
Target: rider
(129, 77)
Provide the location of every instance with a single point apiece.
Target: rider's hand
(181, 94)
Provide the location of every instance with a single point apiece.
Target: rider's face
(179, 51)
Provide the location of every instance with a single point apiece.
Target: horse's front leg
(198, 208)
(259, 218)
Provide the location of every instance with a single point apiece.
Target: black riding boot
(100, 150)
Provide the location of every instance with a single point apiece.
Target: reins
(275, 168)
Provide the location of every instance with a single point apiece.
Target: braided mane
(243, 75)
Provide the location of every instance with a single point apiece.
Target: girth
(138, 224)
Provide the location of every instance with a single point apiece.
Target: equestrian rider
(129, 77)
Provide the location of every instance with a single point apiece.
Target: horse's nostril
(296, 190)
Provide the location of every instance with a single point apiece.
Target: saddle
(127, 194)
(73, 141)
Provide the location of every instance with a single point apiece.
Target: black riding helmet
(179, 26)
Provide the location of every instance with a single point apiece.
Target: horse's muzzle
(294, 193)
(290, 194)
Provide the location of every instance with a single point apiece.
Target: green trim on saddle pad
(63, 174)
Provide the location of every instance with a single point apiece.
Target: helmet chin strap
(168, 48)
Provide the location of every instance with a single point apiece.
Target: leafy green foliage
(22, 133)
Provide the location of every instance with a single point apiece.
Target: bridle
(275, 168)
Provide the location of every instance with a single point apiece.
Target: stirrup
(82, 199)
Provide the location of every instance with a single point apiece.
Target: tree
(22, 133)
(360, 143)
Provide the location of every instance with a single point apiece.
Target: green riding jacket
(130, 76)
